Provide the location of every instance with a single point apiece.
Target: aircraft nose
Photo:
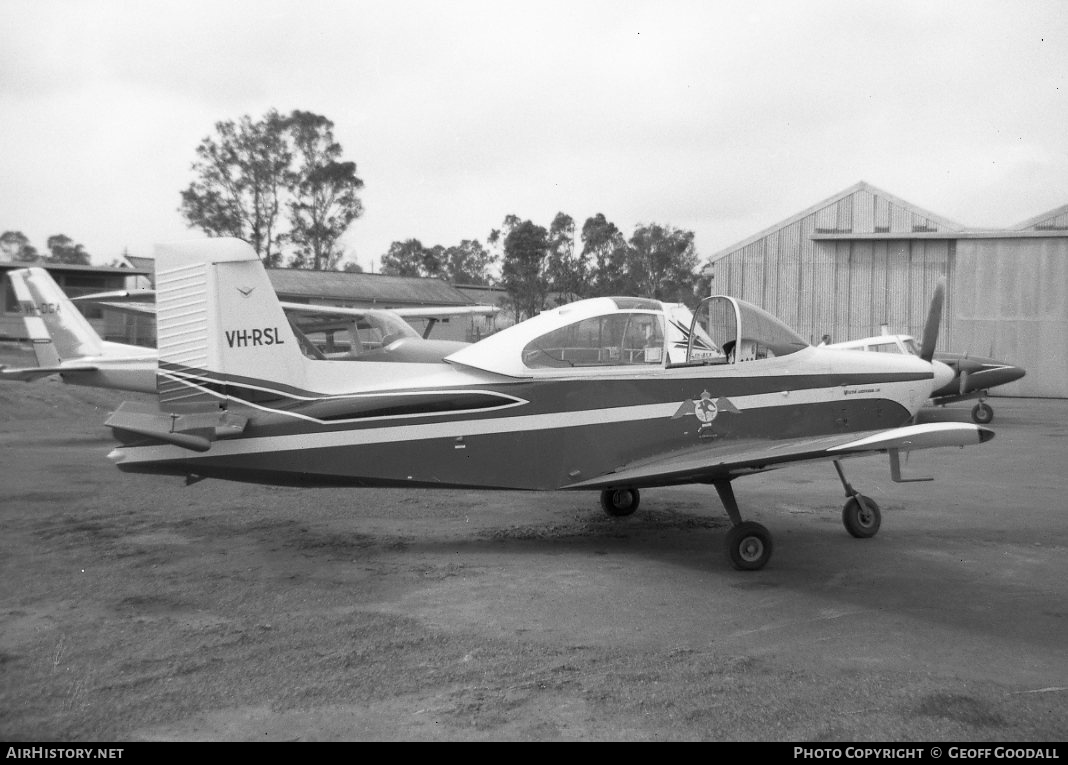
(943, 374)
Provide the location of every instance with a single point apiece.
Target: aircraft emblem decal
(705, 409)
(245, 292)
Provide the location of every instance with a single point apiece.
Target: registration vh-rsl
(610, 395)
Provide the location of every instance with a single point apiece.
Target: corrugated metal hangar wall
(865, 258)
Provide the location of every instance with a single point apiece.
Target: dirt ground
(135, 608)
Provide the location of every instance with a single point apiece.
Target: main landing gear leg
(861, 515)
(748, 543)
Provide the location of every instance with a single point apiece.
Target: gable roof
(1056, 220)
(915, 210)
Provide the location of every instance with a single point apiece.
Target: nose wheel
(982, 413)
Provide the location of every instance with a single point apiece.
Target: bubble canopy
(622, 334)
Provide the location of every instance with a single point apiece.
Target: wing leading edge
(732, 459)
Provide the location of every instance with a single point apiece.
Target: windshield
(743, 331)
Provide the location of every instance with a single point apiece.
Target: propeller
(934, 318)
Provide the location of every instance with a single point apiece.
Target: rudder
(218, 321)
(57, 328)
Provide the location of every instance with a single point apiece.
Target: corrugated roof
(364, 288)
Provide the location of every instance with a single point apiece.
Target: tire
(982, 413)
(748, 546)
(860, 522)
(619, 503)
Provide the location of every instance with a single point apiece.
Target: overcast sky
(722, 118)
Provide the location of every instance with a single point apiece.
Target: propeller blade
(963, 381)
(934, 319)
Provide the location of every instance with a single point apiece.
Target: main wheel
(748, 546)
(982, 413)
(862, 521)
(620, 502)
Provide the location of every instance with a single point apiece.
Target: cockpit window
(612, 340)
(343, 337)
(889, 347)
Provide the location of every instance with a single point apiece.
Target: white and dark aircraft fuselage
(607, 394)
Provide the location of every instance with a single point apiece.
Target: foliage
(325, 197)
(606, 245)
(250, 172)
(63, 249)
(662, 262)
(568, 273)
(523, 273)
(241, 177)
(466, 263)
(16, 247)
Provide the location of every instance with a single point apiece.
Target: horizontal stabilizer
(27, 374)
(196, 430)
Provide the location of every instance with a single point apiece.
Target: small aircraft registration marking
(244, 338)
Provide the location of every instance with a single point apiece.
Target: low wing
(27, 374)
(730, 459)
(130, 309)
(425, 312)
(122, 296)
(142, 302)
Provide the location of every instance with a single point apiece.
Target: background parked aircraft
(972, 376)
(65, 343)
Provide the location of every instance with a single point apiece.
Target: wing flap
(731, 459)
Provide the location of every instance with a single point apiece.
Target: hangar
(864, 258)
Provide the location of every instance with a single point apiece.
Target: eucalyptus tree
(325, 198)
(568, 271)
(662, 263)
(523, 276)
(242, 175)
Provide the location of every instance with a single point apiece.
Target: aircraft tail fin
(220, 324)
(58, 330)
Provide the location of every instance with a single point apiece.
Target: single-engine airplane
(612, 395)
(972, 376)
(65, 343)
